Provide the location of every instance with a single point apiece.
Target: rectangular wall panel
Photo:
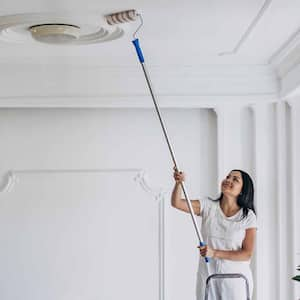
(78, 236)
(87, 235)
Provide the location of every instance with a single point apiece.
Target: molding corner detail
(8, 181)
(157, 194)
(11, 177)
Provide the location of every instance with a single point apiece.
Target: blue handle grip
(138, 50)
(207, 259)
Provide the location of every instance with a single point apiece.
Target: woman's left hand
(206, 251)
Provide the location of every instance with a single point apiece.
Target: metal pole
(171, 151)
(142, 61)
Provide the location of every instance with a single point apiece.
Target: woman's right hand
(179, 176)
(176, 198)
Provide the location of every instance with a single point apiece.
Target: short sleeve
(205, 204)
(251, 221)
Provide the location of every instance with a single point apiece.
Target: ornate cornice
(61, 85)
(287, 56)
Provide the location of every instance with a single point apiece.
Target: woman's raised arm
(176, 199)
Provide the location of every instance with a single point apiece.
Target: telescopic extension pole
(131, 15)
(142, 61)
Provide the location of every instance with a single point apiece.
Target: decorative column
(235, 140)
(293, 204)
(265, 180)
(284, 283)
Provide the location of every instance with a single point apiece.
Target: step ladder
(222, 277)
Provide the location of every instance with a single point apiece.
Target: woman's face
(233, 183)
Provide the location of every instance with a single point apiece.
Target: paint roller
(129, 16)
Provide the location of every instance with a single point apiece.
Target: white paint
(90, 28)
(61, 85)
(65, 241)
(294, 203)
(265, 162)
(290, 83)
(194, 32)
(224, 119)
(229, 134)
(94, 139)
(284, 239)
(49, 144)
(249, 29)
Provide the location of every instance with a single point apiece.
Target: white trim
(158, 195)
(285, 49)
(249, 29)
(294, 187)
(225, 115)
(135, 101)
(220, 143)
(260, 112)
(293, 101)
(161, 248)
(140, 176)
(282, 224)
(12, 177)
(176, 86)
(290, 84)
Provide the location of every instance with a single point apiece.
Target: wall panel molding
(294, 105)
(283, 226)
(229, 133)
(265, 196)
(11, 178)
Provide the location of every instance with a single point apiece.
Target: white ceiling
(181, 41)
(174, 32)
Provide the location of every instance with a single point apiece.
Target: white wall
(262, 139)
(294, 164)
(94, 235)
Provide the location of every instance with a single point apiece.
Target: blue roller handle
(207, 259)
(138, 50)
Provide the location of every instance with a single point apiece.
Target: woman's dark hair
(246, 197)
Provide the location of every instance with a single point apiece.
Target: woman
(229, 230)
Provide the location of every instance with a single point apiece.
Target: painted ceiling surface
(199, 53)
(174, 32)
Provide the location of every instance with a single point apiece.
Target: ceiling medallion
(58, 29)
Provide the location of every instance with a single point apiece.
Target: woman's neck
(229, 205)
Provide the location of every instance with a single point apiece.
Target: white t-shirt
(224, 233)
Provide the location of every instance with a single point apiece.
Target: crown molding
(61, 85)
(290, 84)
(285, 57)
(137, 101)
(249, 29)
(286, 64)
(294, 102)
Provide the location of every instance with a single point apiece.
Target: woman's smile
(227, 185)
